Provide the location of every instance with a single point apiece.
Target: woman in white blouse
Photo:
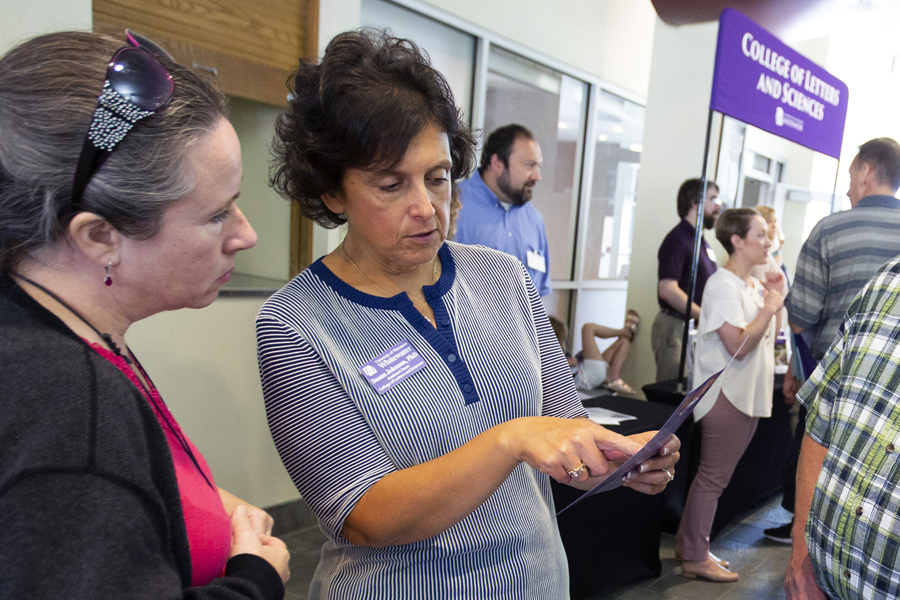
(739, 318)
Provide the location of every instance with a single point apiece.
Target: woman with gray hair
(112, 210)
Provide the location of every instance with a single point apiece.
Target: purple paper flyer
(651, 448)
(760, 80)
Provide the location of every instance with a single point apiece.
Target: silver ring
(669, 475)
(573, 473)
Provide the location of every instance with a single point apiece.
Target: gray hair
(48, 93)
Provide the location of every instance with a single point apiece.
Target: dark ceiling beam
(778, 16)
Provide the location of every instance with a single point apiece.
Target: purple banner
(763, 82)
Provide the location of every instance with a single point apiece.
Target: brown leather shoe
(720, 561)
(707, 569)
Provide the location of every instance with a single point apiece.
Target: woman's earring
(107, 281)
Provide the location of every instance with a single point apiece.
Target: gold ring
(573, 473)
(669, 475)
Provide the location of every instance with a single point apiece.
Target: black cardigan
(89, 503)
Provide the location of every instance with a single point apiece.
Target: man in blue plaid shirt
(849, 469)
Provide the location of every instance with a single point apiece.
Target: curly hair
(360, 107)
(49, 87)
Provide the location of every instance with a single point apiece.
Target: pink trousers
(726, 433)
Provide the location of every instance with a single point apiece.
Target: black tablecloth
(613, 538)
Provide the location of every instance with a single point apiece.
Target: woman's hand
(654, 474)
(261, 521)
(774, 281)
(773, 301)
(556, 446)
(734, 338)
(774, 286)
(245, 540)
(419, 502)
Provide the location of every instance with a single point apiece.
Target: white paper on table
(603, 416)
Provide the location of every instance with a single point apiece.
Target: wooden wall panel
(251, 45)
(267, 32)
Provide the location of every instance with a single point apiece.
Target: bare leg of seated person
(614, 356)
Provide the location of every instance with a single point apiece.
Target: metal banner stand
(760, 81)
(698, 244)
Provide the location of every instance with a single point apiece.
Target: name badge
(536, 261)
(390, 368)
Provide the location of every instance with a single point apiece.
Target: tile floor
(760, 562)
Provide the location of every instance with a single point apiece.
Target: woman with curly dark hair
(414, 388)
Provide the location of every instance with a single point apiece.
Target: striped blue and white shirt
(841, 254)
(492, 358)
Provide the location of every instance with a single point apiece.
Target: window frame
(485, 39)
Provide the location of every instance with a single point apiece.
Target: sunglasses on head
(137, 85)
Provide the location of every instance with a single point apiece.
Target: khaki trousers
(726, 433)
(665, 339)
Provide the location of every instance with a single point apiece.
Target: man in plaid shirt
(849, 469)
(841, 254)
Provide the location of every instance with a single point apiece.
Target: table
(613, 538)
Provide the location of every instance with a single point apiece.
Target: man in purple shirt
(675, 258)
(496, 211)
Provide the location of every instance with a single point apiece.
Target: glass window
(267, 265)
(452, 51)
(553, 106)
(619, 131)
(729, 165)
(761, 163)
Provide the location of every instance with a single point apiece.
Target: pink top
(208, 525)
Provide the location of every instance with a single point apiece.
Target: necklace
(103, 336)
(733, 270)
(376, 286)
(107, 339)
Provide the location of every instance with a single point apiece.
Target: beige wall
(20, 20)
(204, 364)
(861, 54)
(612, 39)
(335, 16)
(674, 135)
